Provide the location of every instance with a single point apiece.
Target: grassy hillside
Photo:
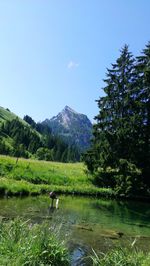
(7, 141)
(5, 115)
(28, 139)
(34, 177)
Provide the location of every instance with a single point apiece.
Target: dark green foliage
(121, 135)
(34, 140)
(143, 72)
(30, 121)
(41, 128)
(128, 180)
(125, 179)
(24, 138)
(44, 154)
(4, 149)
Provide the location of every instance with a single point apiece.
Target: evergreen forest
(29, 139)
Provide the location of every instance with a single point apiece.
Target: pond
(86, 223)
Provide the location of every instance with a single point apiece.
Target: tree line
(34, 140)
(119, 156)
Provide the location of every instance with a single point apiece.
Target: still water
(86, 223)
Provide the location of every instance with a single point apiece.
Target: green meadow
(26, 176)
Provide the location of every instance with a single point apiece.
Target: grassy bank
(122, 257)
(22, 243)
(24, 176)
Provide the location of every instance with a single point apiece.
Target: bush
(128, 180)
(125, 179)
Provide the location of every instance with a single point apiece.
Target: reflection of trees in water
(126, 212)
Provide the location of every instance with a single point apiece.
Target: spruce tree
(120, 152)
(116, 131)
(113, 123)
(143, 72)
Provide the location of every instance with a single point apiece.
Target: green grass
(6, 115)
(43, 172)
(28, 176)
(25, 244)
(122, 257)
(22, 243)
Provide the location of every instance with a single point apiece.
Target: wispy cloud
(72, 65)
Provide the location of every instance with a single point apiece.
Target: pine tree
(113, 156)
(113, 123)
(143, 71)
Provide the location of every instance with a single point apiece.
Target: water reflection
(86, 223)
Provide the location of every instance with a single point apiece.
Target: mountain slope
(75, 128)
(6, 114)
(26, 138)
(16, 135)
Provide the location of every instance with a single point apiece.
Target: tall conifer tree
(111, 131)
(143, 71)
(121, 134)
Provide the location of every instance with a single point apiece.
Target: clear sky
(55, 52)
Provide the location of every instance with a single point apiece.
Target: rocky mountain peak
(74, 127)
(68, 109)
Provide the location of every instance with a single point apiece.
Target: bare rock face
(75, 128)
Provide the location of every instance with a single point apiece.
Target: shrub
(128, 179)
(125, 179)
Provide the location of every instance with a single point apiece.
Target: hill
(25, 138)
(16, 135)
(73, 127)
(5, 114)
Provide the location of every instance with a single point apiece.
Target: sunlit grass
(121, 257)
(35, 177)
(10, 187)
(42, 171)
(22, 243)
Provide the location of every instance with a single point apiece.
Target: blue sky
(55, 52)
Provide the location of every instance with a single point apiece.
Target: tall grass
(24, 176)
(22, 243)
(121, 257)
(11, 187)
(38, 172)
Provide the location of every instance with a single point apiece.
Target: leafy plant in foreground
(22, 243)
